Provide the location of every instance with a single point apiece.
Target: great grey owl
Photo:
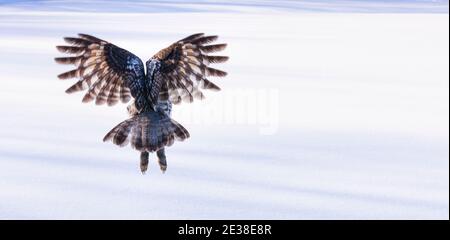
(174, 74)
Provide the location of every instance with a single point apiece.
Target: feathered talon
(162, 159)
(144, 162)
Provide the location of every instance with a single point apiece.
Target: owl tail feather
(147, 131)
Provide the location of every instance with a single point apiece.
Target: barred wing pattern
(109, 73)
(185, 66)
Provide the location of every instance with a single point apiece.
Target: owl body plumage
(111, 74)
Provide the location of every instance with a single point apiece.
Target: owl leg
(162, 159)
(144, 162)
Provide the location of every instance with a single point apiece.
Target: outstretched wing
(185, 68)
(107, 72)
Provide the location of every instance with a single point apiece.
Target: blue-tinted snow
(356, 127)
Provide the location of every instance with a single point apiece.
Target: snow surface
(327, 113)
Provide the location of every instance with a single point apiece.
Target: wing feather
(108, 72)
(185, 67)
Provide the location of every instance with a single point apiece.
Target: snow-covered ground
(328, 112)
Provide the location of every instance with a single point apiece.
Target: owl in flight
(110, 74)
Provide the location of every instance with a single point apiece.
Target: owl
(109, 74)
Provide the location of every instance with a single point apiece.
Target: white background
(359, 118)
